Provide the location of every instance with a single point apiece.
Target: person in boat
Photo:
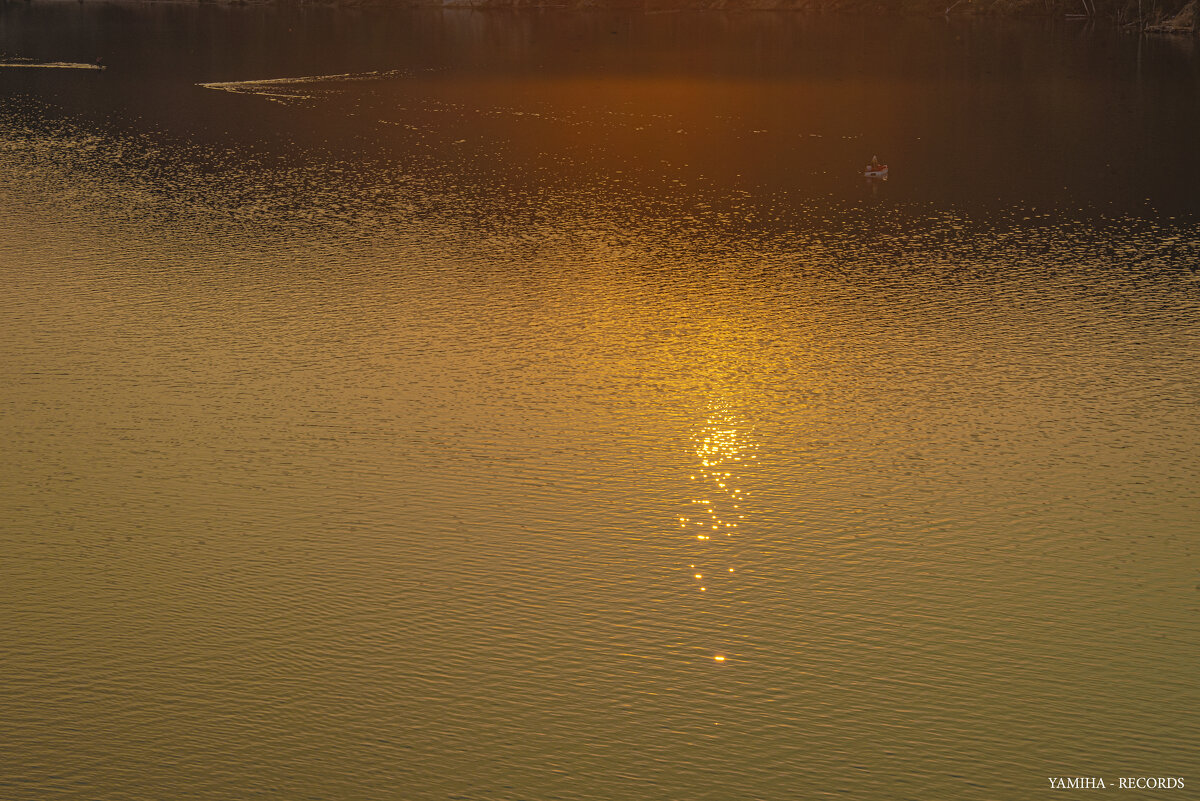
(875, 166)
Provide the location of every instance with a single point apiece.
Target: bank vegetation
(1177, 17)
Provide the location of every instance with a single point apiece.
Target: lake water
(542, 406)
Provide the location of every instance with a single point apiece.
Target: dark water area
(974, 112)
(442, 404)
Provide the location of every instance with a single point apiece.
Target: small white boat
(873, 171)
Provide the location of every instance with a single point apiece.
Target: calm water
(425, 428)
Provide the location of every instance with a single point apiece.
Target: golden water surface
(542, 407)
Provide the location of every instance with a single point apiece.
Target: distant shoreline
(1173, 17)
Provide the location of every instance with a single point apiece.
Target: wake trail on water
(262, 86)
(51, 65)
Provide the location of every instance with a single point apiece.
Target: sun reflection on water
(724, 445)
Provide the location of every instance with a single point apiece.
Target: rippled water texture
(495, 406)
